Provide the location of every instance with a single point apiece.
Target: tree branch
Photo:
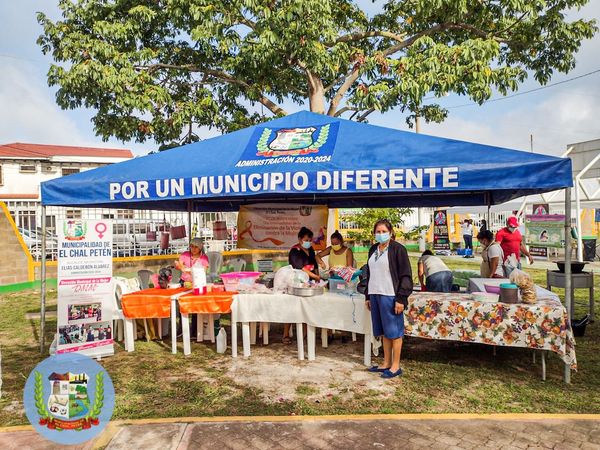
(353, 37)
(220, 75)
(364, 115)
(343, 110)
(350, 79)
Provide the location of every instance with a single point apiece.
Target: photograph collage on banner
(85, 288)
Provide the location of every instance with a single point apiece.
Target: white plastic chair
(123, 286)
(215, 261)
(144, 277)
(238, 264)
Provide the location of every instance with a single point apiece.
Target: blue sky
(556, 116)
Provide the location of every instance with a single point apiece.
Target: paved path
(354, 432)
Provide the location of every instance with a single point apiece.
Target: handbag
(361, 287)
(178, 232)
(164, 241)
(220, 229)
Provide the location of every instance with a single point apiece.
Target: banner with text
(85, 288)
(441, 238)
(275, 226)
(545, 230)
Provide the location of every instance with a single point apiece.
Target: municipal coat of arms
(74, 230)
(292, 141)
(68, 406)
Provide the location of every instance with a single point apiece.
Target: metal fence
(135, 233)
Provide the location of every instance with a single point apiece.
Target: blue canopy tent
(307, 157)
(312, 158)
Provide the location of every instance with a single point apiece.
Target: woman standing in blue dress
(389, 283)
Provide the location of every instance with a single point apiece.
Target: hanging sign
(538, 252)
(441, 238)
(276, 226)
(545, 230)
(541, 209)
(85, 288)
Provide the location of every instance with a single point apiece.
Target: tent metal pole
(189, 208)
(43, 285)
(568, 280)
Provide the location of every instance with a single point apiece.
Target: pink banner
(85, 346)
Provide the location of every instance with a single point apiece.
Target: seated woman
(433, 273)
(190, 258)
(492, 256)
(339, 254)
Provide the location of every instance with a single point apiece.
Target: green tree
(155, 69)
(364, 219)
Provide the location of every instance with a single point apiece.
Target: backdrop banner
(85, 289)
(275, 226)
(441, 238)
(545, 230)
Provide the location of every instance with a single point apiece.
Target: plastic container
(485, 297)
(492, 289)
(222, 341)
(509, 293)
(199, 280)
(233, 279)
(337, 285)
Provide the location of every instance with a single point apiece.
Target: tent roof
(312, 158)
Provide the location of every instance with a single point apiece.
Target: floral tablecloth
(457, 317)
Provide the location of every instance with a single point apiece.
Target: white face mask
(511, 229)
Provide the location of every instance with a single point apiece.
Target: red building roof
(43, 151)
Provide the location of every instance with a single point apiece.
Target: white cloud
(28, 112)
(564, 117)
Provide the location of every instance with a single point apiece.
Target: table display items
(199, 280)
(526, 286)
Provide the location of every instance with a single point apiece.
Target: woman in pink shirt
(190, 258)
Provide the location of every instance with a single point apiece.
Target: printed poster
(441, 238)
(541, 209)
(545, 230)
(276, 226)
(85, 288)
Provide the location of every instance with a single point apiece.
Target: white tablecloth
(333, 311)
(327, 311)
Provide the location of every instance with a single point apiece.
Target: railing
(131, 228)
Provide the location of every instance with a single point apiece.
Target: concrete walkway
(448, 432)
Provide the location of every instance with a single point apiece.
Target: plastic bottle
(222, 341)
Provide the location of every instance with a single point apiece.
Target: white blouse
(380, 278)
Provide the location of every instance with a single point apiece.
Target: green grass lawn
(439, 376)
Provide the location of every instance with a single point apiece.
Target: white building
(24, 166)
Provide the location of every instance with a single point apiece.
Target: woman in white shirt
(389, 283)
(433, 273)
(492, 255)
(467, 231)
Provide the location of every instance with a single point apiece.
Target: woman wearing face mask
(389, 283)
(302, 256)
(339, 254)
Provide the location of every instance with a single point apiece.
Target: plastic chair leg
(199, 328)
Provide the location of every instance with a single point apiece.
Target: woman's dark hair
(387, 224)
(305, 232)
(337, 235)
(485, 234)
(427, 253)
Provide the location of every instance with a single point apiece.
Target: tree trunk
(316, 93)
